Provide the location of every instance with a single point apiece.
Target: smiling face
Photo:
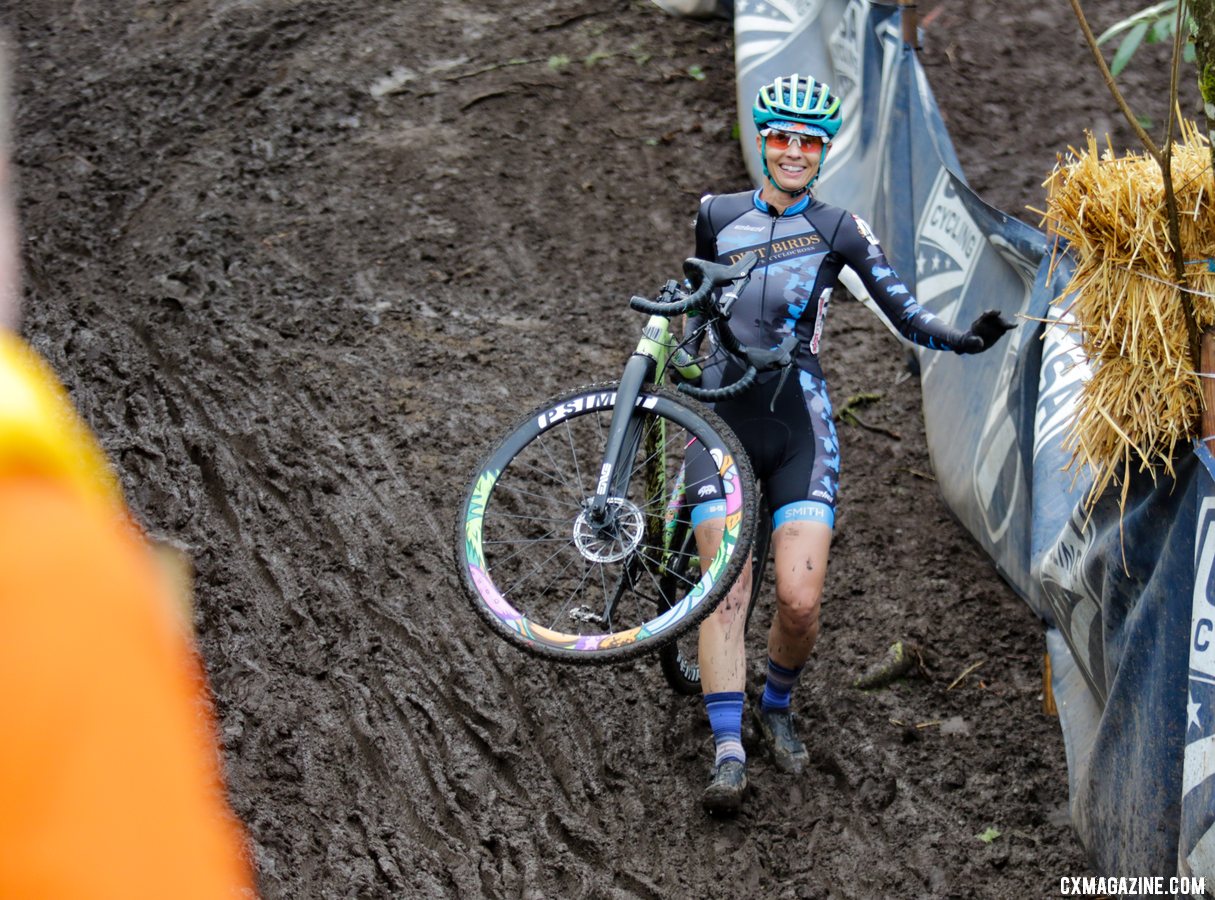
(792, 162)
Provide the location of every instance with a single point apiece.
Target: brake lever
(730, 297)
(780, 384)
(726, 302)
(780, 357)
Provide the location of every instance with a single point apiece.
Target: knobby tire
(537, 574)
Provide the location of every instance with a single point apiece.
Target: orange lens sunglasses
(782, 140)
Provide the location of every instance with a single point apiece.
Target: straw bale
(1144, 397)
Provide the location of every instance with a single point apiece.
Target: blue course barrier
(1128, 605)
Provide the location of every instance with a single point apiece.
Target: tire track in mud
(236, 485)
(425, 802)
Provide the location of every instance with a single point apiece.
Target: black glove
(984, 332)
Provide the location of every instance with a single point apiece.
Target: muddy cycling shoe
(776, 729)
(725, 792)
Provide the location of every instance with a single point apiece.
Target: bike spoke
(514, 474)
(508, 593)
(608, 604)
(566, 606)
(548, 537)
(569, 437)
(561, 478)
(650, 573)
(519, 517)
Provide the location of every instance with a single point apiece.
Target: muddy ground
(298, 261)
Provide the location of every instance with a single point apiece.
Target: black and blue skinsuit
(786, 425)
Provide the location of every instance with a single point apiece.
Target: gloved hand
(985, 331)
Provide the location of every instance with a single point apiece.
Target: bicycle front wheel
(553, 580)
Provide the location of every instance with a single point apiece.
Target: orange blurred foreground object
(110, 782)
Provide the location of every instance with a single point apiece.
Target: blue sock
(779, 686)
(725, 710)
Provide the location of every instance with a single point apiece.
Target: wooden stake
(911, 24)
(1048, 691)
(1207, 367)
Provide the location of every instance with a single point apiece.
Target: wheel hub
(611, 540)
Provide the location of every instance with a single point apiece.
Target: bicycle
(573, 540)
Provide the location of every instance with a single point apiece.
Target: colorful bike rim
(546, 640)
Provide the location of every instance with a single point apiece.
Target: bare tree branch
(1109, 82)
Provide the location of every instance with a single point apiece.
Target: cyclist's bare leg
(800, 550)
(722, 653)
(723, 676)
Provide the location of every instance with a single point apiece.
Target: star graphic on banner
(1191, 711)
(920, 264)
(936, 262)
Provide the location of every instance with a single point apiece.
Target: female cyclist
(785, 423)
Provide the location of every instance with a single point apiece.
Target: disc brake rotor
(613, 540)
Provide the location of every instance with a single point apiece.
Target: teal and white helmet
(798, 100)
(800, 105)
